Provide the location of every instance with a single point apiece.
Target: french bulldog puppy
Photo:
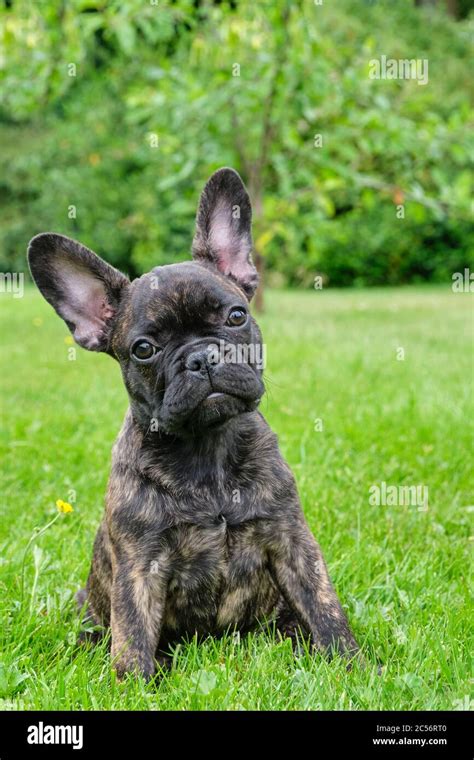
(203, 529)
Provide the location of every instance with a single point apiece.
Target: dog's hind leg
(94, 600)
(287, 626)
(93, 630)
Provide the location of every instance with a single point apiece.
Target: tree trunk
(451, 5)
(260, 264)
(453, 8)
(257, 203)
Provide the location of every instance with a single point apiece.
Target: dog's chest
(218, 577)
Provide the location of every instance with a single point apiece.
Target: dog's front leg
(137, 606)
(301, 575)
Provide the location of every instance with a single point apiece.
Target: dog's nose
(197, 361)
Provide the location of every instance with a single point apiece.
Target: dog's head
(189, 350)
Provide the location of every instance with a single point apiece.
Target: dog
(203, 531)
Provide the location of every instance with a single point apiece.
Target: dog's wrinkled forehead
(179, 296)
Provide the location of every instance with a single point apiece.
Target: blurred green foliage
(114, 149)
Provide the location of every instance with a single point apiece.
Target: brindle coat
(203, 530)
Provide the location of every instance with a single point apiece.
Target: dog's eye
(143, 350)
(237, 318)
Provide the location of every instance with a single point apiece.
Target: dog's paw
(135, 665)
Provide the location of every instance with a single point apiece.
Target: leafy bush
(116, 155)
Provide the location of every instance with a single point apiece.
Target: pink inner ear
(85, 305)
(232, 250)
(241, 270)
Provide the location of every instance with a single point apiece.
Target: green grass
(402, 574)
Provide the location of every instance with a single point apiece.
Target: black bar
(374, 734)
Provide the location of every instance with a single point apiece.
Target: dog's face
(180, 339)
(189, 351)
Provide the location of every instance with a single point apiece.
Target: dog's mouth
(217, 408)
(220, 397)
(212, 411)
(225, 399)
(194, 402)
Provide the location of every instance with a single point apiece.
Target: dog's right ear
(83, 289)
(223, 235)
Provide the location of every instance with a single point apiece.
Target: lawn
(350, 413)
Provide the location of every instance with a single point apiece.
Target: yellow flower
(64, 506)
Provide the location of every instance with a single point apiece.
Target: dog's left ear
(223, 235)
(83, 289)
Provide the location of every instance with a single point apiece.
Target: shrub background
(147, 73)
